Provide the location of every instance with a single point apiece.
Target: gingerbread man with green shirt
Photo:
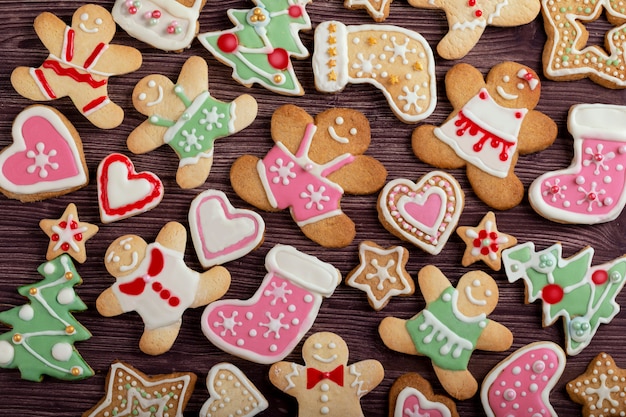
(453, 324)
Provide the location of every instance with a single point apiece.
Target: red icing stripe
(69, 46)
(44, 83)
(95, 55)
(72, 73)
(94, 103)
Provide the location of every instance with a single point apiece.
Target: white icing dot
(353, 131)
(308, 298)
(447, 297)
(516, 370)
(66, 296)
(142, 96)
(580, 180)
(26, 312)
(252, 333)
(509, 395)
(7, 352)
(332, 345)
(84, 17)
(98, 21)
(607, 179)
(240, 342)
(62, 351)
(273, 348)
(488, 293)
(506, 78)
(324, 398)
(249, 315)
(619, 167)
(295, 322)
(317, 346)
(356, 41)
(566, 204)
(291, 308)
(533, 387)
(324, 410)
(539, 367)
(324, 387)
(49, 268)
(127, 246)
(339, 120)
(151, 83)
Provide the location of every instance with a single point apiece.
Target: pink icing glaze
(38, 138)
(413, 406)
(520, 385)
(426, 212)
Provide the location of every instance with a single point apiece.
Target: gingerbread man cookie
(186, 117)
(80, 63)
(153, 280)
(326, 384)
(453, 324)
(467, 20)
(314, 161)
(493, 121)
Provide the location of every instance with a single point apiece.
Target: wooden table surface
(347, 312)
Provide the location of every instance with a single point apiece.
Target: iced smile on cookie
(333, 133)
(329, 359)
(84, 18)
(115, 258)
(143, 96)
(476, 301)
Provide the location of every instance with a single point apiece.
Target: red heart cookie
(424, 213)
(123, 192)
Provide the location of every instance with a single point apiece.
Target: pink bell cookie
(424, 214)
(46, 158)
(266, 327)
(520, 384)
(326, 384)
(593, 188)
(124, 192)
(80, 63)
(170, 25)
(221, 232)
(153, 280)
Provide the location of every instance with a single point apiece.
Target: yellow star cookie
(485, 243)
(68, 235)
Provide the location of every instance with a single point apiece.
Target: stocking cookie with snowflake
(467, 20)
(186, 117)
(259, 48)
(397, 61)
(80, 63)
(593, 188)
(265, 328)
(326, 384)
(571, 288)
(43, 332)
(153, 280)
(313, 162)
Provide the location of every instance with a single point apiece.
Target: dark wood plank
(347, 312)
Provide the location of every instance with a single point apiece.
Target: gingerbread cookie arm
(145, 138)
(173, 236)
(495, 338)
(51, 32)
(427, 4)
(516, 16)
(111, 63)
(108, 305)
(194, 76)
(367, 375)
(537, 133)
(491, 189)
(284, 129)
(213, 285)
(462, 75)
(285, 376)
(364, 175)
(432, 282)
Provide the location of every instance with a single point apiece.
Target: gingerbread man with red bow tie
(493, 121)
(153, 280)
(326, 385)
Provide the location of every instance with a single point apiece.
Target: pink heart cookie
(46, 158)
(520, 385)
(424, 213)
(123, 192)
(221, 232)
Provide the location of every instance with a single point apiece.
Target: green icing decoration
(256, 40)
(443, 334)
(43, 332)
(570, 288)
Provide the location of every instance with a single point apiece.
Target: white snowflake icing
(382, 273)
(603, 392)
(41, 160)
(228, 323)
(411, 97)
(590, 197)
(191, 140)
(278, 292)
(366, 66)
(399, 50)
(316, 197)
(274, 325)
(212, 118)
(283, 172)
(598, 158)
(555, 190)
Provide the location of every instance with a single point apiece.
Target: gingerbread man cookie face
(478, 294)
(95, 24)
(123, 255)
(340, 133)
(514, 86)
(325, 351)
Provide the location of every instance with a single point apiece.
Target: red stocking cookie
(80, 63)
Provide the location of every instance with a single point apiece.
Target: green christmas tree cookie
(570, 288)
(41, 341)
(259, 48)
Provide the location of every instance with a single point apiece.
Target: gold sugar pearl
(278, 78)
(69, 329)
(69, 275)
(76, 371)
(254, 18)
(261, 18)
(17, 338)
(257, 11)
(33, 291)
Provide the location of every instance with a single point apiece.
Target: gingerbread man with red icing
(493, 121)
(80, 63)
(153, 280)
(326, 384)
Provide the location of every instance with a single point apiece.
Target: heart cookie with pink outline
(425, 213)
(124, 192)
(221, 232)
(46, 158)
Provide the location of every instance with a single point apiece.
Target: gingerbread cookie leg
(458, 42)
(324, 231)
(393, 332)
(458, 384)
(158, 341)
(490, 189)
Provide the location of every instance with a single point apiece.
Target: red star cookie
(68, 235)
(485, 243)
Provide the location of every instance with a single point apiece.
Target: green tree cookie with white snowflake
(570, 288)
(41, 341)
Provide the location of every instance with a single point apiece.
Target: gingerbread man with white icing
(493, 121)
(326, 385)
(153, 280)
(80, 63)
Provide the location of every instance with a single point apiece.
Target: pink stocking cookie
(265, 328)
(520, 385)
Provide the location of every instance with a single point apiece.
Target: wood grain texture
(347, 312)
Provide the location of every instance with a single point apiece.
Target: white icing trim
(424, 403)
(374, 12)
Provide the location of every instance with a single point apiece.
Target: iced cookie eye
(332, 345)
(317, 346)
(506, 78)
(520, 86)
(84, 17)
